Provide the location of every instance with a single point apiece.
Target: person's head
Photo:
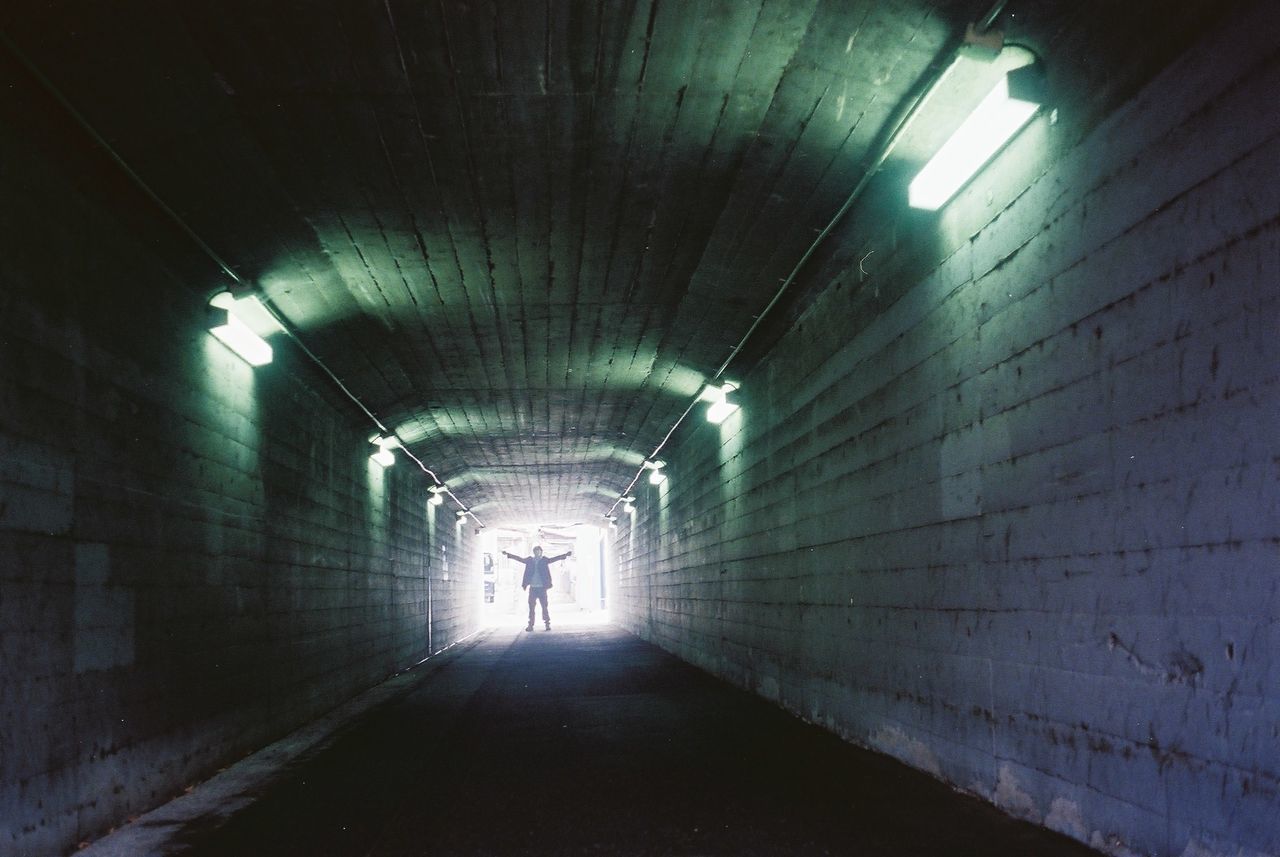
(537, 550)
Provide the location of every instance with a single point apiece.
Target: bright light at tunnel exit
(584, 582)
(995, 121)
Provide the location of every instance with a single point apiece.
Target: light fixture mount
(247, 322)
(385, 444)
(1015, 98)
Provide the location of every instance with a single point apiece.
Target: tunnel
(888, 518)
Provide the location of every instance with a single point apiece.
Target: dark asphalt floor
(588, 741)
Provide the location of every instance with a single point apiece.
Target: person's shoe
(529, 627)
(548, 626)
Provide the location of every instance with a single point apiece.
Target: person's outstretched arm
(552, 559)
(513, 556)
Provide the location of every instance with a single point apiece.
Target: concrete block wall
(195, 557)
(1007, 507)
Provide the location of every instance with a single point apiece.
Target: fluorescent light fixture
(384, 455)
(720, 411)
(435, 500)
(250, 310)
(721, 407)
(657, 477)
(247, 345)
(462, 513)
(248, 321)
(717, 392)
(437, 494)
(1008, 107)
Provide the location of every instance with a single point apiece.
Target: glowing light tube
(995, 121)
(237, 336)
(384, 455)
(720, 411)
(721, 407)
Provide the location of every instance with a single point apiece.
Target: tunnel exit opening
(578, 595)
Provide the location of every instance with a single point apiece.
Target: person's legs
(546, 615)
(533, 598)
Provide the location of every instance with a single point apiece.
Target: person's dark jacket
(537, 569)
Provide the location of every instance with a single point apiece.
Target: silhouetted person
(537, 579)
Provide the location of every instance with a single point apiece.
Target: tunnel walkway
(586, 740)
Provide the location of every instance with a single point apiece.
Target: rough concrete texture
(1004, 503)
(197, 557)
(587, 741)
(166, 829)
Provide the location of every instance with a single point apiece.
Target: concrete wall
(195, 556)
(1007, 506)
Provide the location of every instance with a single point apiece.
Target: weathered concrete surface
(1004, 502)
(589, 741)
(195, 557)
(160, 832)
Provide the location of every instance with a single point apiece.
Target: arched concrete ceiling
(523, 233)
